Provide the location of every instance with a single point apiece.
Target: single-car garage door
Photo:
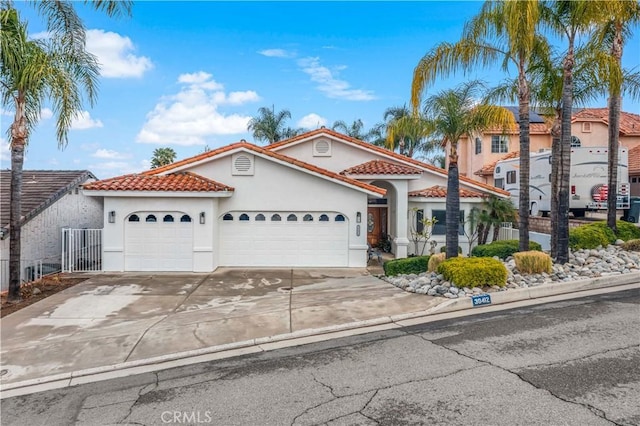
(158, 241)
(284, 239)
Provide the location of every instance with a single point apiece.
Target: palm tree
(618, 18)
(269, 126)
(503, 32)
(33, 72)
(163, 156)
(454, 113)
(410, 132)
(568, 19)
(354, 130)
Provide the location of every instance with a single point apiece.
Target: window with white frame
(499, 144)
(478, 146)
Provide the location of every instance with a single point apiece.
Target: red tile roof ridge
(386, 152)
(381, 167)
(178, 181)
(269, 153)
(488, 169)
(439, 191)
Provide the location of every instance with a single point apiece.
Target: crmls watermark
(186, 417)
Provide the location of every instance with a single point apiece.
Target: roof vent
(322, 148)
(242, 164)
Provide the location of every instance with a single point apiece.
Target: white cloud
(277, 53)
(6, 112)
(311, 121)
(329, 84)
(83, 121)
(115, 55)
(109, 154)
(193, 114)
(111, 168)
(46, 113)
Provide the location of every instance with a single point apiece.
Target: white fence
(81, 250)
(508, 232)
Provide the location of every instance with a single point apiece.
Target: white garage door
(285, 239)
(158, 241)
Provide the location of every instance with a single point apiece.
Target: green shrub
(443, 249)
(474, 271)
(502, 249)
(632, 245)
(435, 260)
(627, 231)
(590, 236)
(410, 265)
(533, 262)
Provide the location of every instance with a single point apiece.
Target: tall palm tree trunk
(555, 173)
(565, 157)
(452, 204)
(18, 140)
(614, 132)
(525, 168)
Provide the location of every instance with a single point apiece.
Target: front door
(374, 226)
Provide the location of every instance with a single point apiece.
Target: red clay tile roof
(634, 161)
(386, 152)
(629, 123)
(534, 129)
(180, 181)
(381, 167)
(275, 155)
(441, 192)
(487, 169)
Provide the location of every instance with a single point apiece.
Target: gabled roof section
(381, 167)
(40, 189)
(438, 191)
(180, 181)
(634, 161)
(384, 152)
(629, 123)
(488, 169)
(267, 154)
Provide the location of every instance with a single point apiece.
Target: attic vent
(242, 164)
(322, 148)
(586, 127)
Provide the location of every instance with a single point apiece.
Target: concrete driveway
(115, 318)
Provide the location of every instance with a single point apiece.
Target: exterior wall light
(112, 216)
(201, 218)
(358, 217)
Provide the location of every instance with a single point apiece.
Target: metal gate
(81, 250)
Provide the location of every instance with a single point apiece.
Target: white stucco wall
(113, 234)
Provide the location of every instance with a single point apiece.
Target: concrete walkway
(119, 324)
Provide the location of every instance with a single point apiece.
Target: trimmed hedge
(533, 262)
(502, 249)
(474, 271)
(596, 234)
(410, 265)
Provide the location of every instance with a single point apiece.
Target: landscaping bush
(632, 245)
(591, 236)
(411, 265)
(474, 271)
(435, 260)
(502, 249)
(533, 262)
(443, 249)
(627, 231)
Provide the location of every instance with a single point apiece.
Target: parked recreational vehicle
(588, 184)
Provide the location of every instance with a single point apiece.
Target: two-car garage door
(284, 239)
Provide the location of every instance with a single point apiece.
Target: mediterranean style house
(478, 156)
(51, 201)
(317, 200)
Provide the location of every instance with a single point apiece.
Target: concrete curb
(631, 280)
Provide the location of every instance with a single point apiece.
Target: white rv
(588, 185)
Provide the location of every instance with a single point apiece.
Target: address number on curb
(481, 299)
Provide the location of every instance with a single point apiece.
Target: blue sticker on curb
(481, 299)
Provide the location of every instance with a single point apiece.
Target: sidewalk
(123, 324)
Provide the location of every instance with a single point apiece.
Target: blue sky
(190, 74)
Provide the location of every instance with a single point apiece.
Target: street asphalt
(113, 325)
